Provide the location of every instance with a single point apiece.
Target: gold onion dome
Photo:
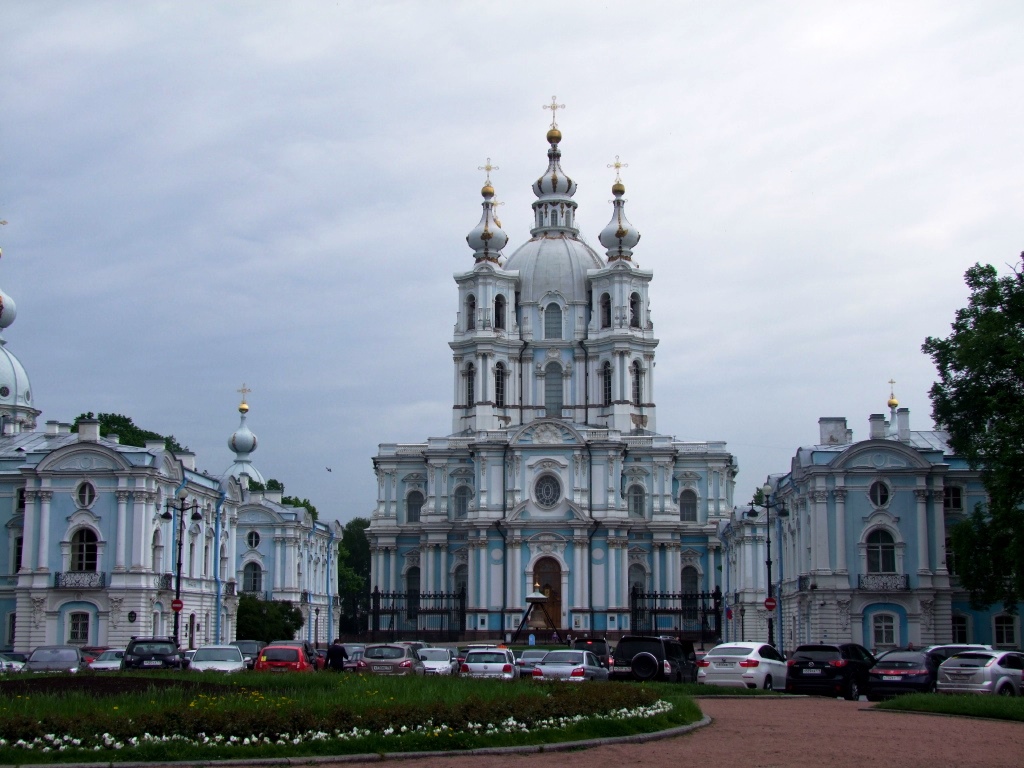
(893, 402)
(487, 191)
(618, 188)
(244, 407)
(554, 136)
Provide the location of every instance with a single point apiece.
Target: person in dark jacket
(336, 656)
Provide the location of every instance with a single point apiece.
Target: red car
(284, 658)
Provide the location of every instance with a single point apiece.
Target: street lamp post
(181, 508)
(781, 511)
(316, 626)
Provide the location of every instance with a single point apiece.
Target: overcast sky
(201, 194)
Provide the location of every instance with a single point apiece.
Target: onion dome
(243, 442)
(487, 238)
(619, 237)
(893, 402)
(15, 389)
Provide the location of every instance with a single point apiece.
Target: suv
(152, 653)
(829, 670)
(648, 658)
(599, 646)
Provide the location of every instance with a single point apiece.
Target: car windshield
(248, 646)
(486, 657)
(217, 654)
(730, 650)
(110, 656)
(53, 654)
(276, 653)
(817, 653)
(533, 655)
(902, 659)
(384, 652)
(434, 654)
(164, 649)
(564, 657)
(971, 659)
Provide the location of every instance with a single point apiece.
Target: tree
(127, 431)
(295, 501)
(267, 620)
(979, 400)
(354, 573)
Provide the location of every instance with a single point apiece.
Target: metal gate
(436, 616)
(695, 616)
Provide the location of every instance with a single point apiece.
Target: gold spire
(244, 407)
(893, 402)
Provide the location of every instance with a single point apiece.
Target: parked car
(648, 658)
(8, 664)
(152, 653)
(571, 666)
(830, 670)
(351, 664)
(284, 658)
(217, 658)
(526, 660)
(391, 659)
(743, 665)
(91, 652)
(311, 653)
(952, 649)
(108, 661)
(250, 650)
(598, 646)
(55, 658)
(438, 661)
(188, 656)
(998, 672)
(16, 656)
(491, 662)
(897, 672)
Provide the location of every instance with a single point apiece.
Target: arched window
(638, 383)
(499, 385)
(553, 321)
(879, 493)
(83, 551)
(606, 311)
(689, 581)
(606, 383)
(634, 310)
(499, 312)
(252, 578)
(553, 390)
(637, 578)
(636, 500)
(461, 506)
(460, 579)
(881, 552)
(412, 591)
(470, 312)
(688, 506)
(413, 505)
(470, 385)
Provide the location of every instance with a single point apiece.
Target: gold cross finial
(892, 383)
(244, 390)
(494, 210)
(488, 167)
(618, 166)
(554, 106)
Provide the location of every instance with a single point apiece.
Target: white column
(840, 496)
(28, 551)
(278, 562)
(939, 515)
(613, 578)
(517, 573)
(122, 514)
(44, 530)
(393, 553)
(922, 530)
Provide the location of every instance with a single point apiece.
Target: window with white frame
(689, 580)
(19, 545)
(21, 501)
(637, 578)
(470, 312)
(252, 578)
(883, 630)
(879, 493)
(552, 321)
(960, 629)
(1005, 631)
(499, 312)
(252, 538)
(634, 310)
(12, 621)
(606, 383)
(606, 311)
(461, 505)
(470, 385)
(636, 499)
(78, 628)
(84, 551)
(881, 552)
(688, 506)
(413, 506)
(86, 494)
(953, 498)
(638, 383)
(499, 385)
(553, 390)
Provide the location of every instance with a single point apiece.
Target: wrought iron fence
(426, 615)
(693, 616)
(165, 581)
(883, 582)
(79, 580)
(229, 589)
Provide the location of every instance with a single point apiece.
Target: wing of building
(861, 550)
(553, 479)
(96, 530)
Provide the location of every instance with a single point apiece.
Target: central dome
(553, 263)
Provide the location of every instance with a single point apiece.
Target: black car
(649, 658)
(829, 670)
(152, 653)
(250, 650)
(897, 672)
(599, 646)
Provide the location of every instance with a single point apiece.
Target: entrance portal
(547, 574)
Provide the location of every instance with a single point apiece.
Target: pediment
(880, 456)
(257, 515)
(547, 432)
(77, 458)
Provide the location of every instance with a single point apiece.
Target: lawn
(192, 716)
(995, 707)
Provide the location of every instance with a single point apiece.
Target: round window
(548, 491)
(252, 539)
(86, 494)
(5, 391)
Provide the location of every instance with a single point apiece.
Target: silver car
(998, 672)
(743, 665)
(108, 661)
(571, 666)
(495, 662)
(217, 658)
(438, 661)
(391, 659)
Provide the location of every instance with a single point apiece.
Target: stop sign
(177, 605)
(769, 603)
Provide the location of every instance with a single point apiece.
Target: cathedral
(554, 485)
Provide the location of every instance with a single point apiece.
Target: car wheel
(645, 666)
(1006, 690)
(768, 683)
(853, 690)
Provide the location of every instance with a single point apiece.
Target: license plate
(723, 664)
(891, 677)
(620, 669)
(379, 668)
(812, 671)
(152, 663)
(279, 669)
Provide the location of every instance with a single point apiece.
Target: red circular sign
(177, 605)
(769, 603)
(728, 613)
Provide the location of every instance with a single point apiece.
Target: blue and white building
(553, 476)
(864, 554)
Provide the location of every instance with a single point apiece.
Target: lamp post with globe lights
(780, 511)
(181, 508)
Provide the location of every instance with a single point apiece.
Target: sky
(206, 194)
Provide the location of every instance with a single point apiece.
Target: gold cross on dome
(554, 106)
(494, 210)
(244, 391)
(618, 166)
(488, 167)
(892, 383)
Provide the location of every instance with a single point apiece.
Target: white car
(743, 665)
(438, 661)
(998, 672)
(218, 658)
(10, 665)
(490, 662)
(108, 661)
